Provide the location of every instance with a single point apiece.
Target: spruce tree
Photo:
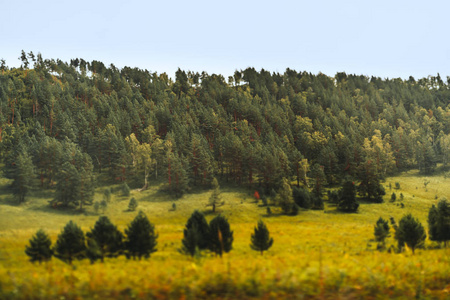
(39, 248)
(190, 242)
(133, 204)
(70, 244)
(221, 237)
(439, 222)
(347, 198)
(22, 176)
(198, 223)
(125, 190)
(214, 199)
(107, 238)
(284, 197)
(261, 239)
(140, 238)
(410, 232)
(381, 232)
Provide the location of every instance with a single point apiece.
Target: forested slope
(76, 125)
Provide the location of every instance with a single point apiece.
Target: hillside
(73, 133)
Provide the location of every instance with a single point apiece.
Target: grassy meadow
(317, 254)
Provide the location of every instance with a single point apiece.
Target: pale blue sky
(381, 38)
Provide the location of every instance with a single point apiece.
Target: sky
(387, 39)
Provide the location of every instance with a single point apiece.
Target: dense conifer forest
(72, 126)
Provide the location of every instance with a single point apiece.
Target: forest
(76, 125)
(338, 172)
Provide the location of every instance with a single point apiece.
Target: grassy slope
(317, 253)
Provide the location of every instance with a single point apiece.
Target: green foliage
(191, 240)
(197, 223)
(410, 232)
(214, 199)
(106, 239)
(260, 239)
(284, 197)
(347, 198)
(75, 179)
(70, 244)
(40, 247)
(393, 197)
(439, 222)
(302, 197)
(96, 207)
(140, 238)
(370, 186)
(23, 174)
(381, 232)
(317, 202)
(397, 185)
(107, 195)
(81, 119)
(133, 204)
(221, 237)
(103, 205)
(125, 190)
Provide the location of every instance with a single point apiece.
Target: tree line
(71, 126)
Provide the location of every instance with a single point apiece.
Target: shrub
(302, 197)
(125, 190)
(107, 195)
(397, 185)
(393, 197)
(103, 205)
(133, 204)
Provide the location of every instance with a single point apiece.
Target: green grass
(318, 254)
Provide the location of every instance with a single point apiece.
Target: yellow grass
(317, 254)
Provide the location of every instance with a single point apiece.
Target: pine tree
(191, 240)
(198, 223)
(439, 222)
(370, 186)
(140, 238)
(22, 176)
(133, 204)
(70, 244)
(40, 247)
(347, 198)
(381, 232)
(214, 199)
(107, 195)
(125, 190)
(284, 197)
(107, 238)
(410, 232)
(221, 237)
(261, 239)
